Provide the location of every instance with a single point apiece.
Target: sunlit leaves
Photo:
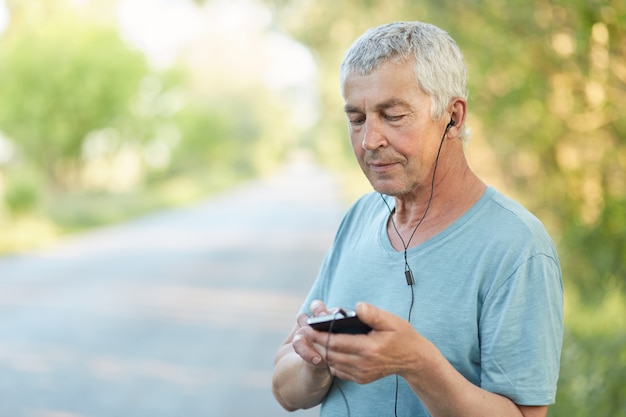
(62, 80)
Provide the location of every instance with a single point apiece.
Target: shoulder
(502, 229)
(518, 239)
(512, 219)
(512, 208)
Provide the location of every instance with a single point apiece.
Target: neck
(428, 210)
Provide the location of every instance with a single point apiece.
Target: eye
(393, 118)
(356, 120)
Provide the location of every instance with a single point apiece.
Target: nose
(372, 136)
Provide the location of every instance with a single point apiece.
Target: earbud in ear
(450, 124)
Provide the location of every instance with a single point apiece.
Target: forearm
(456, 398)
(446, 393)
(297, 384)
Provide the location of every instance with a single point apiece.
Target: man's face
(391, 130)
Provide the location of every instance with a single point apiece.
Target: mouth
(381, 166)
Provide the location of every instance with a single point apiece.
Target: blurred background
(111, 109)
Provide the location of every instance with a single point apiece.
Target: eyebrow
(392, 102)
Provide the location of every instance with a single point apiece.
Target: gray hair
(439, 68)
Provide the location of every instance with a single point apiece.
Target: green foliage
(241, 129)
(593, 363)
(216, 134)
(592, 377)
(105, 136)
(62, 79)
(22, 195)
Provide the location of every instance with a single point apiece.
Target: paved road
(176, 314)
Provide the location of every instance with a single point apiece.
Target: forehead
(393, 83)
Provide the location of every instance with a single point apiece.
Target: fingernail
(316, 360)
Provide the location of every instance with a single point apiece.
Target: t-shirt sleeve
(521, 329)
(317, 291)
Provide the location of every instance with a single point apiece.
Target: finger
(346, 376)
(344, 365)
(366, 312)
(318, 308)
(304, 348)
(302, 320)
(337, 347)
(352, 373)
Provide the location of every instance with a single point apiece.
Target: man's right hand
(301, 341)
(300, 378)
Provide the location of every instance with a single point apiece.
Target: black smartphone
(340, 323)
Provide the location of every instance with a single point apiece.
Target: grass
(62, 214)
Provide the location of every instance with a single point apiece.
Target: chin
(386, 188)
(388, 183)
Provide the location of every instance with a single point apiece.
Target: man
(478, 330)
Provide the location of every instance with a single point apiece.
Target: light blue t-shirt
(488, 293)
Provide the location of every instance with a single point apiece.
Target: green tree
(61, 78)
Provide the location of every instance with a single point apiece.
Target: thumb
(377, 318)
(370, 315)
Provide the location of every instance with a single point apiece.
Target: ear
(458, 112)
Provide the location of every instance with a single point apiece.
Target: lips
(380, 166)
